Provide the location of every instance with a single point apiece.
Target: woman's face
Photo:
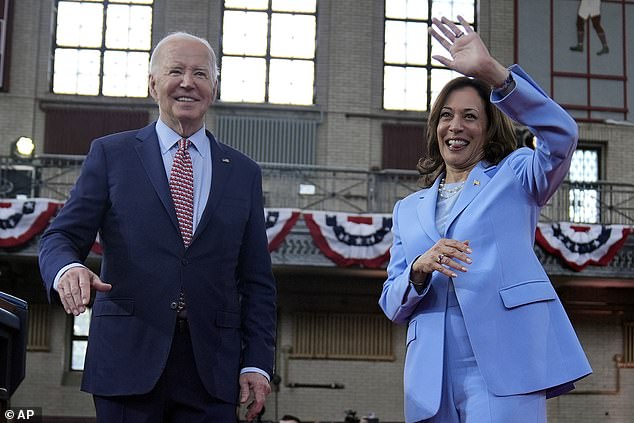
(462, 129)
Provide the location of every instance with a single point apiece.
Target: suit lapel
(478, 179)
(221, 170)
(426, 211)
(149, 152)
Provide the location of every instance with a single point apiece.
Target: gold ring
(439, 258)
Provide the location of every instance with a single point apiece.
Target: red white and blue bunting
(350, 240)
(279, 223)
(347, 239)
(579, 245)
(23, 219)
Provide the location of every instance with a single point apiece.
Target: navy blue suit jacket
(225, 273)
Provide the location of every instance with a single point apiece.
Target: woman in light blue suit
(488, 339)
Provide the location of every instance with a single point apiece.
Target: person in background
(183, 322)
(488, 339)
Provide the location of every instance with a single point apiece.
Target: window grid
(275, 67)
(412, 81)
(102, 47)
(79, 340)
(584, 193)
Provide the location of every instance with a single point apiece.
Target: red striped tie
(182, 188)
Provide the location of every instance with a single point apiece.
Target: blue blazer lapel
(222, 167)
(426, 211)
(478, 179)
(149, 152)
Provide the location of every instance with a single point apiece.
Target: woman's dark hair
(500, 131)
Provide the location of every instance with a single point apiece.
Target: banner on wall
(21, 220)
(346, 239)
(579, 245)
(279, 223)
(349, 240)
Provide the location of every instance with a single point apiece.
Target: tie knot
(184, 144)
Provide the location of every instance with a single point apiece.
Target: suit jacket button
(185, 262)
(174, 305)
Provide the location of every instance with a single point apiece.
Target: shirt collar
(168, 138)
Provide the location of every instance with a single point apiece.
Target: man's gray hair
(156, 58)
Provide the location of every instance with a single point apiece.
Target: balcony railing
(335, 189)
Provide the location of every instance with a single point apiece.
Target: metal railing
(327, 188)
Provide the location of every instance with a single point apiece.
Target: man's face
(182, 85)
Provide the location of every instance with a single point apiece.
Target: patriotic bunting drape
(346, 239)
(279, 223)
(579, 245)
(21, 220)
(351, 239)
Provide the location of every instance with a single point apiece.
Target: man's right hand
(74, 289)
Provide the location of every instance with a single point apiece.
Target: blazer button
(185, 262)
(174, 305)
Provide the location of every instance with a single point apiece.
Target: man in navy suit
(153, 357)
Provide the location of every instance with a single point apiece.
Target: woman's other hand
(446, 256)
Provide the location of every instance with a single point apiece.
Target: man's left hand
(255, 386)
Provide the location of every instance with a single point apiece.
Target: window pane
(76, 72)
(243, 79)
(584, 166)
(88, 72)
(404, 88)
(308, 6)
(291, 81)
(140, 33)
(452, 8)
(406, 9)
(65, 72)
(584, 205)
(244, 33)
(293, 35)
(78, 355)
(125, 74)
(247, 4)
(439, 78)
(405, 42)
(81, 323)
(128, 27)
(79, 24)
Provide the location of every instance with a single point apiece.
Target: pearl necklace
(449, 192)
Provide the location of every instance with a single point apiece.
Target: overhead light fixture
(23, 148)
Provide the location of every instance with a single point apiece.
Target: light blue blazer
(521, 336)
